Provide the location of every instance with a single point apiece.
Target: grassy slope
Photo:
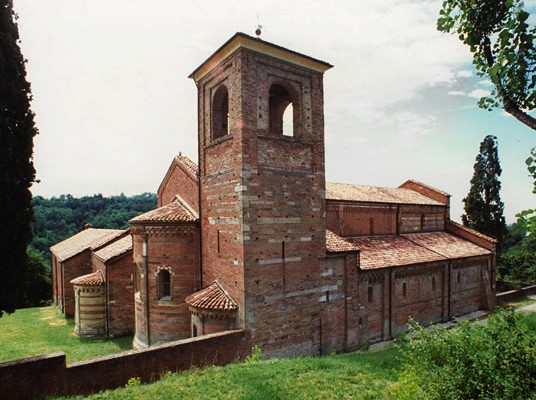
(36, 331)
(363, 375)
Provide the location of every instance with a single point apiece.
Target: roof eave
(241, 40)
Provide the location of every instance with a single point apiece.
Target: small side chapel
(253, 238)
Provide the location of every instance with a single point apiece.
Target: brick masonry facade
(254, 217)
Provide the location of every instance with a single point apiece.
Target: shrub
(495, 360)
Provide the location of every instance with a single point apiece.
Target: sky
(114, 104)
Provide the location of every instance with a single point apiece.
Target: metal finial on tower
(258, 31)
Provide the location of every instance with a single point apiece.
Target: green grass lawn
(361, 375)
(37, 331)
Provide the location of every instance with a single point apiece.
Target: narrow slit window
(220, 113)
(164, 285)
(404, 289)
(370, 294)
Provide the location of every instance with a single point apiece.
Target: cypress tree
(483, 206)
(17, 173)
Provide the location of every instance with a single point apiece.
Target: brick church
(254, 238)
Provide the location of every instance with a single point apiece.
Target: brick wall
(361, 219)
(173, 248)
(120, 293)
(40, 377)
(72, 268)
(427, 191)
(178, 181)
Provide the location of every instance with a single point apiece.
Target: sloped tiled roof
(471, 231)
(115, 249)
(416, 248)
(388, 251)
(172, 212)
(447, 245)
(188, 164)
(439, 191)
(375, 194)
(213, 298)
(336, 244)
(93, 279)
(90, 238)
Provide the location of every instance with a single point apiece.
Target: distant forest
(58, 218)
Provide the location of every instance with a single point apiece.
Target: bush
(495, 360)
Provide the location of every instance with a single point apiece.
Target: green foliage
(134, 382)
(17, 172)
(58, 218)
(495, 360)
(518, 260)
(38, 285)
(501, 41)
(483, 206)
(255, 356)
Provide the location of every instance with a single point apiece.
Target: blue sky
(114, 105)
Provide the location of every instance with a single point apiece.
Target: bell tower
(262, 185)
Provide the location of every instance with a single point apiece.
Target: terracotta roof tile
(115, 249)
(447, 245)
(375, 194)
(90, 238)
(472, 231)
(188, 164)
(93, 279)
(213, 298)
(388, 251)
(336, 244)
(415, 248)
(172, 212)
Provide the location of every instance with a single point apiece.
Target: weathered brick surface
(173, 248)
(40, 377)
(72, 268)
(262, 202)
(178, 181)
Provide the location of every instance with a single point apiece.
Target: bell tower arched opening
(283, 109)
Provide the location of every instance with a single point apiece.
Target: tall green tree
(501, 41)
(17, 173)
(483, 206)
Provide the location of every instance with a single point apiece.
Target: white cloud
(478, 93)
(410, 126)
(457, 93)
(464, 74)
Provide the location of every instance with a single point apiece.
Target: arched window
(282, 111)
(164, 284)
(220, 113)
(370, 294)
(404, 289)
(194, 331)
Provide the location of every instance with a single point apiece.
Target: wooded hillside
(57, 218)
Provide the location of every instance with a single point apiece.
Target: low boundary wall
(48, 375)
(505, 297)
